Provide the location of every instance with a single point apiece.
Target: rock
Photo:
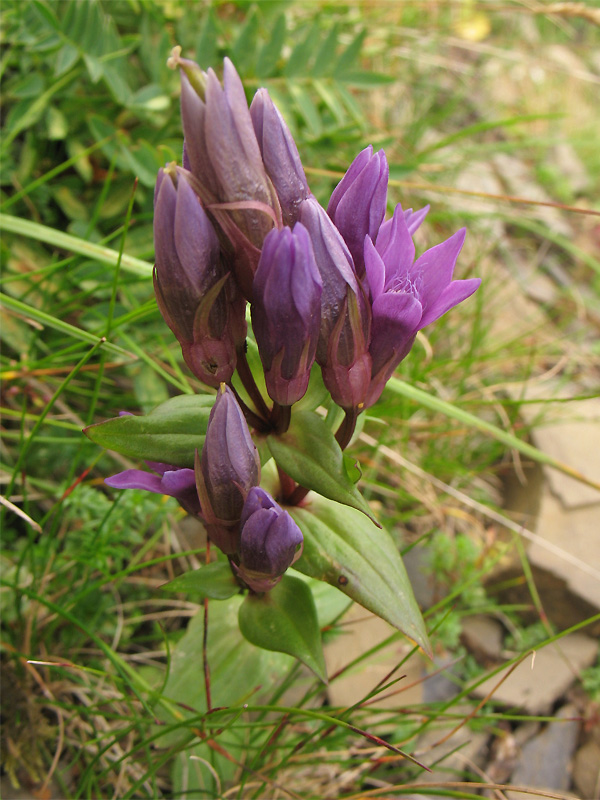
(540, 680)
(574, 537)
(586, 770)
(362, 631)
(483, 636)
(544, 760)
(453, 759)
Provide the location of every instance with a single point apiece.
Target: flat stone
(572, 534)
(538, 682)
(362, 630)
(569, 432)
(544, 760)
(586, 770)
(454, 758)
(483, 636)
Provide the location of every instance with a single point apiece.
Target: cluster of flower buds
(340, 286)
(238, 221)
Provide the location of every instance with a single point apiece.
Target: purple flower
(169, 480)
(196, 296)
(286, 312)
(357, 205)
(227, 469)
(407, 295)
(224, 156)
(280, 155)
(270, 541)
(342, 350)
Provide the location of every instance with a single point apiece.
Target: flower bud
(357, 205)
(227, 469)
(224, 157)
(286, 312)
(197, 298)
(280, 155)
(270, 541)
(176, 482)
(342, 350)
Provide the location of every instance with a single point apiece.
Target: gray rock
(586, 770)
(540, 680)
(483, 636)
(544, 760)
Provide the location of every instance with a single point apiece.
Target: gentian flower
(224, 157)
(286, 312)
(280, 155)
(357, 205)
(342, 349)
(270, 541)
(196, 296)
(407, 295)
(226, 471)
(176, 482)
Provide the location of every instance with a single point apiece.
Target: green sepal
(214, 580)
(343, 549)
(309, 453)
(169, 434)
(285, 620)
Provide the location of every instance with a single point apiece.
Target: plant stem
(346, 429)
(280, 417)
(247, 379)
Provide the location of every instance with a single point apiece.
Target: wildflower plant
(336, 299)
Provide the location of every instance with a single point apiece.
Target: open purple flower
(270, 541)
(406, 295)
(176, 482)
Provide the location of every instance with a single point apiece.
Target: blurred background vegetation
(488, 111)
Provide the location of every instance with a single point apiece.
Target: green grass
(97, 703)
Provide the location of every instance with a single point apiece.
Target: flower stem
(280, 417)
(247, 378)
(346, 429)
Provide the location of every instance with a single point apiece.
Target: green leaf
(343, 549)
(243, 52)
(350, 57)
(309, 453)
(365, 80)
(214, 580)
(270, 52)
(206, 48)
(326, 53)
(285, 620)
(298, 61)
(169, 434)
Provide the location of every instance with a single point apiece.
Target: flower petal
(453, 294)
(395, 246)
(435, 267)
(374, 268)
(136, 479)
(414, 219)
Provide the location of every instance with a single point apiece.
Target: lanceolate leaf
(342, 548)
(285, 620)
(309, 454)
(214, 580)
(170, 434)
